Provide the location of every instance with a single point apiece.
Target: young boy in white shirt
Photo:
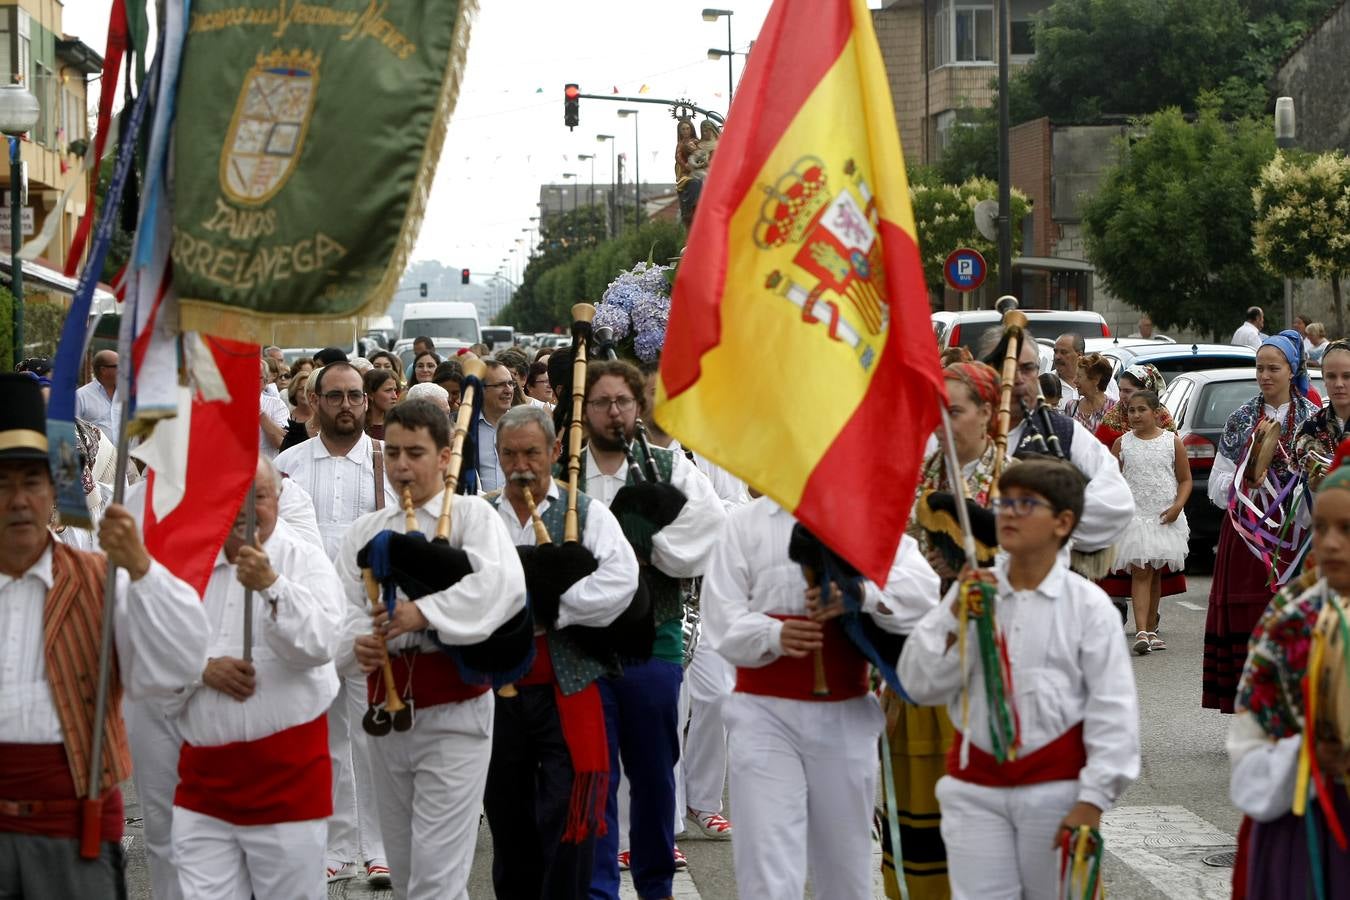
(1072, 687)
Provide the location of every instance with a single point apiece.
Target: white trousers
(1000, 841)
(429, 785)
(354, 828)
(155, 743)
(221, 861)
(803, 787)
(709, 680)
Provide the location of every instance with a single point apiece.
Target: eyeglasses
(1018, 507)
(335, 398)
(496, 385)
(602, 404)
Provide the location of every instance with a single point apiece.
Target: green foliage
(1169, 229)
(42, 323)
(119, 248)
(945, 217)
(7, 330)
(579, 269)
(1303, 219)
(972, 151)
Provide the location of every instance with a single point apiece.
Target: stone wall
(1315, 76)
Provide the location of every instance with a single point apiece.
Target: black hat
(23, 418)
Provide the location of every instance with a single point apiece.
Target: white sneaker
(713, 826)
(340, 871)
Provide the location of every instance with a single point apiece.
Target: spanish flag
(799, 354)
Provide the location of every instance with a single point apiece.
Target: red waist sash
(1060, 760)
(430, 679)
(37, 795)
(284, 777)
(794, 678)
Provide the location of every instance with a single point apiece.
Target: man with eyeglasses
(98, 401)
(672, 522)
(499, 390)
(1109, 505)
(342, 468)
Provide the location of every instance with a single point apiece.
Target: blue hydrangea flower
(613, 315)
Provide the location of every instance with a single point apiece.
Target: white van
(449, 325)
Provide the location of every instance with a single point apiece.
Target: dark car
(1201, 403)
(1174, 359)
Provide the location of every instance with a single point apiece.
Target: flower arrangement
(636, 305)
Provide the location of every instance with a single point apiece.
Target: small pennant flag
(645, 89)
(804, 241)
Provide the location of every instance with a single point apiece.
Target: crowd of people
(593, 672)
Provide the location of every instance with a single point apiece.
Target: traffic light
(571, 105)
(463, 276)
(422, 289)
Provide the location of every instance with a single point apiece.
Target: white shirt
(275, 409)
(729, 489)
(94, 406)
(293, 646)
(342, 487)
(490, 474)
(1108, 505)
(1069, 665)
(750, 577)
(601, 596)
(465, 613)
(681, 549)
(296, 508)
(1068, 393)
(1224, 472)
(159, 626)
(1247, 335)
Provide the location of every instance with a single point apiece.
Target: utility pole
(1005, 275)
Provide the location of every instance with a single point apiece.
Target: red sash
(430, 679)
(284, 777)
(1060, 760)
(37, 795)
(794, 678)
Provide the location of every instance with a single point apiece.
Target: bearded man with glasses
(342, 468)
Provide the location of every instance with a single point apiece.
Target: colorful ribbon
(977, 600)
(1080, 864)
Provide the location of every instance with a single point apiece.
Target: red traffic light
(572, 92)
(571, 105)
(463, 276)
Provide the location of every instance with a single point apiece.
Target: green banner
(306, 139)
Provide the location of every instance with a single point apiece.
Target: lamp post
(590, 198)
(1005, 275)
(1285, 132)
(18, 114)
(712, 15)
(613, 167)
(637, 168)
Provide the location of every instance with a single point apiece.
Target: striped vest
(71, 632)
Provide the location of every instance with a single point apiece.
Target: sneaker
(681, 861)
(624, 858)
(340, 871)
(713, 826)
(1155, 642)
(377, 875)
(1141, 643)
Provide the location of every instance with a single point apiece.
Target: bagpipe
(409, 562)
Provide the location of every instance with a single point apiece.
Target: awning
(1052, 264)
(51, 281)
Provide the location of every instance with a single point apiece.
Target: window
(43, 87)
(24, 63)
(964, 32)
(1022, 39)
(6, 53)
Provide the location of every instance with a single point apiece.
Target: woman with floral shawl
(1266, 736)
(1323, 433)
(1245, 578)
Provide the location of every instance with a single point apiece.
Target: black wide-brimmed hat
(23, 418)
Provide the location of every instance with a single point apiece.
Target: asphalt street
(1174, 817)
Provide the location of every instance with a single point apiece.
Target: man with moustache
(672, 522)
(549, 753)
(342, 469)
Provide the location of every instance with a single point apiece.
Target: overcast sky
(506, 138)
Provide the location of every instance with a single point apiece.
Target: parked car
(1201, 403)
(1173, 359)
(967, 328)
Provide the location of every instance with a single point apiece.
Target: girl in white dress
(1159, 475)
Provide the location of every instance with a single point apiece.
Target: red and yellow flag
(799, 353)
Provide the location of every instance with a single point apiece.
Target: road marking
(1167, 845)
(1189, 605)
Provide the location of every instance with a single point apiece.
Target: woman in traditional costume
(1139, 377)
(1257, 552)
(920, 736)
(1092, 405)
(1292, 789)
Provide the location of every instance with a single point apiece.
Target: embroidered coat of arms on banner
(306, 139)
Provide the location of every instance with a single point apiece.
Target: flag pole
(957, 484)
(250, 534)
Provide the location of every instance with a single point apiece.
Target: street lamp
(1285, 131)
(18, 114)
(712, 15)
(637, 168)
(590, 200)
(613, 165)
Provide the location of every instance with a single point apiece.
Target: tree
(1303, 220)
(1169, 229)
(944, 215)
